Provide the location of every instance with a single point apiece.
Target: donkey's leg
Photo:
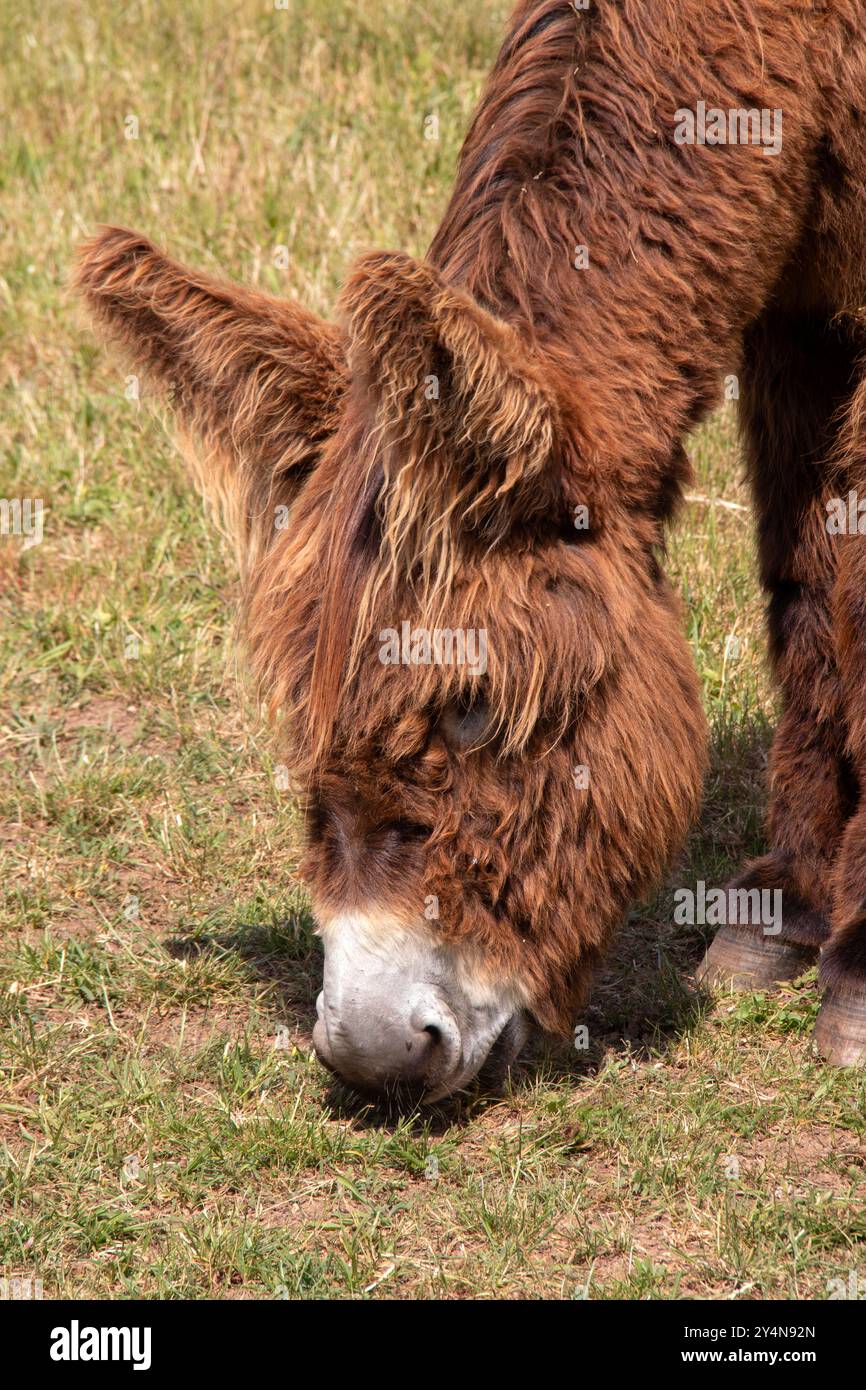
(840, 1033)
(796, 377)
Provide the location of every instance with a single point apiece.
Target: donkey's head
(476, 665)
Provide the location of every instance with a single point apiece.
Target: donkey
(490, 441)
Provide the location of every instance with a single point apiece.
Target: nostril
(436, 1029)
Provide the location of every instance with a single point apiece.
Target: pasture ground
(163, 1129)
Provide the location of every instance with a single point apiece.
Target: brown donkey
(448, 512)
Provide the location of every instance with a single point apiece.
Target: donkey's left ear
(256, 382)
(470, 422)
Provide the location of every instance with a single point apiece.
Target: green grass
(164, 1130)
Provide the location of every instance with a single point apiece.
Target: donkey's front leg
(796, 378)
(809, 801)
(804, 822)
(840, 1033)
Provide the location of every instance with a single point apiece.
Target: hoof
(840, 1030)
(742, 960)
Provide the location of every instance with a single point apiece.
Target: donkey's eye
(406, 831)
(464, 723)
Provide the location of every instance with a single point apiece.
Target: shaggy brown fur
(432, 453)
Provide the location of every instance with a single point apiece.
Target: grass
(164, 1131)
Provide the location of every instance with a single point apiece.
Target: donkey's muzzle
(401, 1014)
(386, 1045)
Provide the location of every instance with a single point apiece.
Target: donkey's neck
(633, 260)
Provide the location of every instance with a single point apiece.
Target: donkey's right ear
(256, 382)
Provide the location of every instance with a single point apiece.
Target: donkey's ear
(467, 413)
(256, 382)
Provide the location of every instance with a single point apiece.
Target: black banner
(84, 1340)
